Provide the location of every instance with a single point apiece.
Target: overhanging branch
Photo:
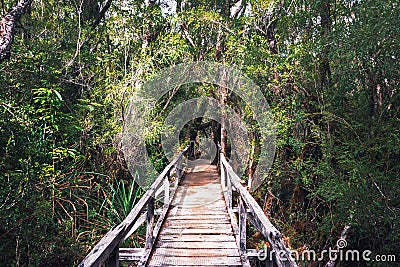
(7, 27)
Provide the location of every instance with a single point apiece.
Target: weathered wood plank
(195, 212)
(198, 238)
(195, 261)
(130, 254)
(204, 205)
(189, 222)
(200, 217)
(199, 225)
(198, 252)
(189, 231)
(183, 208)
(191, 245)
(170, 265)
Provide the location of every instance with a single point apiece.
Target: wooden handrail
(249, 209)
(107, 249)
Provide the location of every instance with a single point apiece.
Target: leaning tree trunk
(7, 27)
(324, 68)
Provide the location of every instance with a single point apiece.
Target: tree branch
(101, 14)
(7, 27)
(187, 34)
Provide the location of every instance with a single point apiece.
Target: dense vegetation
(329, 69)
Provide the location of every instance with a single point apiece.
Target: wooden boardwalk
(202, 222)
(197, 230)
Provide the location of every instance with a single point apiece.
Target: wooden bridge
(197, 223)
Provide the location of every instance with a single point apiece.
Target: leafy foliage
(329, 69)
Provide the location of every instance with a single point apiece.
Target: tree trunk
(7, 27)
(216, 137)
(223, 100)
(222, 90)
(325, 70)
(102, 14)
(255, 151)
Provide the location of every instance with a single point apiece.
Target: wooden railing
(248, 209)
(108, 251)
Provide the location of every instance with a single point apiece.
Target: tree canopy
(329, 69)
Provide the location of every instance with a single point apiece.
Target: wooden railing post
(113, 260)
(242, 225)
(223, 177)
(166, 190)
(228, 190)
(191, 149)
(178, 170)
(150, 223)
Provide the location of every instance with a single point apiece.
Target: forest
(329, 70)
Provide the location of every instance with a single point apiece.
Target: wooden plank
(213, 217)
(130, 254)
(206, 205)
(190, 224)
(195, 261)
(198, 238)
(215, 202)
(202, 205)
(182, 208)
(171, 221)
(192, 190)
(189, 231)
(198, 252)
(168, 265)
(198, 224)
(195, 212)
(192, 245)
